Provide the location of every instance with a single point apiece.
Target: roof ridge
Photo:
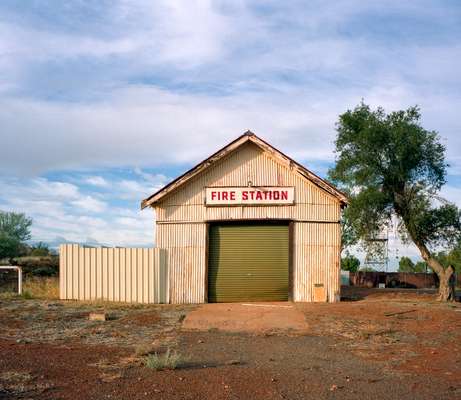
(235, 144)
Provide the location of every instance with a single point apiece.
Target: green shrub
(40, 266)
(40, 250)
(168, 360)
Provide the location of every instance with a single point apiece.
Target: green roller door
(248, 262)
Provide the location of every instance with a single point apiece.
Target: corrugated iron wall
(135, 275)
(182, 218)
(185, 246)
(316, 257)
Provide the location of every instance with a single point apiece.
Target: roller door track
(248, 262)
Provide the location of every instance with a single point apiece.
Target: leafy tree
(40, 250)
(9, 247)
(394, 168)
(15, 225)
(421, 266)
(350, 263)
(367, 269)
(453, 257)
(348, 236)
(14, 231)
(407, 265)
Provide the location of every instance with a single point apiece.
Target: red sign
(249, 195)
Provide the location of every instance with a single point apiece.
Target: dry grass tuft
(168, 360)
(41, 288)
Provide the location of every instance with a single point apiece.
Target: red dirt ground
(385, 345)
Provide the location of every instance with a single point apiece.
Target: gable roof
(248, 136)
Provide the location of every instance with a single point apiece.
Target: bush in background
(14, 232)
(38, 266)
(350, 263)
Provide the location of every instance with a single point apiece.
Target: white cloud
(155, 179)
(206, 71)
(133, 190)
(89, 203)
(142, 83)
(452, 194)
(15, 41)
(39, 189)
(149, 127)
(183, 34)
(96, 181)
(62, 210)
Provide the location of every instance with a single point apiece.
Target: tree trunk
(446, 291)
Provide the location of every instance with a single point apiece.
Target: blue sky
(103, 102)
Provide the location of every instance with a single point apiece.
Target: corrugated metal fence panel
(316, 260)
(134, 275)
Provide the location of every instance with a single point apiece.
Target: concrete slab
(247, 317)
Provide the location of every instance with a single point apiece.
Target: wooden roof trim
(309, 175)
(194, 171)
(247, 136)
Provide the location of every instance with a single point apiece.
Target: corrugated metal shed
(182, 219)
